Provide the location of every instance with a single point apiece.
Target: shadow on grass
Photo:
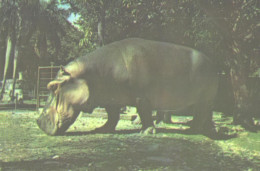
(212, 135)
(130, 131)
(149, 153)
(46, 164)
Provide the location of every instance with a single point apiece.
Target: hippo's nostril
(39, 122)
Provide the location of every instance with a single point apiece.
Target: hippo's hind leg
(145, 112)
(163, 116)
(202, 119)
(203, 110)
(113, 113)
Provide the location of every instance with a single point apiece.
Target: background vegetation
(227, 31)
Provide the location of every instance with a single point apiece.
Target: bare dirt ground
(23, 146)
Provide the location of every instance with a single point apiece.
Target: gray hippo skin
(148, 75)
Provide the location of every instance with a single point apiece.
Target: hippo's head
(67, 98)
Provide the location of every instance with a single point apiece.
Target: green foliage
(183, 22)
(227, 31)
(41, 29)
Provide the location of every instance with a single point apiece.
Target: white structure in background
(18, 89)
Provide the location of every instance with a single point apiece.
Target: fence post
(45, 74)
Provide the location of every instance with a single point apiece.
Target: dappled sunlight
(25, 146)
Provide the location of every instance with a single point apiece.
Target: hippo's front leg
(112, 120)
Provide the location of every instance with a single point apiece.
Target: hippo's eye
(64, 72)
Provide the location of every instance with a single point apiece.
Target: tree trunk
(238, 64)
(239, 73)
(15, 64)
(9, 46)
(100, 33)
(18, 31)
(102, 23)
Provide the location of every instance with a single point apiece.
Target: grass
(23, 146)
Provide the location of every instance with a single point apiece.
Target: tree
(237, 22)
(24, 19)
(10, 23)
(94, 28)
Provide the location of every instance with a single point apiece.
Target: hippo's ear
(55, 84)
(62, 77)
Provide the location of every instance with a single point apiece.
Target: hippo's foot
(257, 124)
(206, 129)
(189, 123)
(247, 123)
(212, 132)
(105, 129)
(158, 121)
(136, 121)
(148, 130)
(203, 131)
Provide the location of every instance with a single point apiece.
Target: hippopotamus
(145, 74)
(224, 102)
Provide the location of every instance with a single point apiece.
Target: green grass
(23, 146)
